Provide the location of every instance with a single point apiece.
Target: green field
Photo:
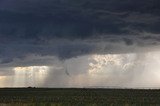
(78, 97)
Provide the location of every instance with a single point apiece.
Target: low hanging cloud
(65, 49)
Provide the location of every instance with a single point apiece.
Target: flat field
(78, 97)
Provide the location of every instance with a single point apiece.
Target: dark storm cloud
(37, 24)
(77, 19)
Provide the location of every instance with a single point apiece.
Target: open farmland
(78, 97)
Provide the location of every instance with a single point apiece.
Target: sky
(80, 43)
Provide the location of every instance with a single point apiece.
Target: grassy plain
(78, 97)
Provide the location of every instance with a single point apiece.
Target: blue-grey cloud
(53, 27)
(77, 19)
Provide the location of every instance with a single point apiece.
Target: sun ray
(30, 76)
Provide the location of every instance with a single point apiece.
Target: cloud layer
(50, 32)
(37, 24)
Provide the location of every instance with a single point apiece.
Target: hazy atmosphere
(80, 43)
